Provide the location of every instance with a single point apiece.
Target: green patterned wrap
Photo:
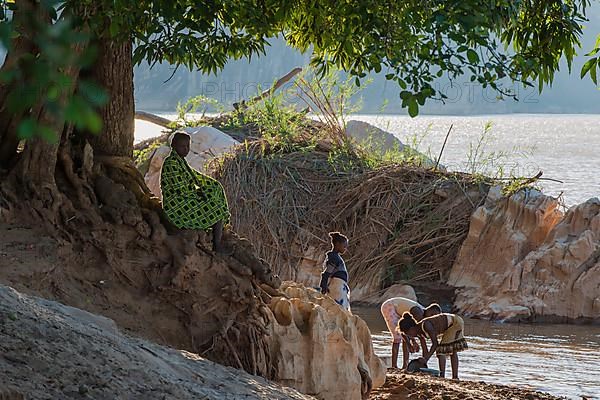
(191, 199)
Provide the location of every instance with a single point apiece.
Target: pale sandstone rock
(398, 290)
(310, 267)
(207, 143)
(524, 258)
(320, 347)
(375, 298)
(363, 292)
(152, 177)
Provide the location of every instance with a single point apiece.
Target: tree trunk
(114, 71)
(24, 20)
(35, 170)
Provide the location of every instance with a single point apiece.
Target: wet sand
(401, 386)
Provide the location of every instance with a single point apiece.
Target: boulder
(524, 259)
(310, 266)
(321, 349)
(152, 177)
(370, 296)
(363, 132)
(207, 143)
(398, 290)
(380, 141)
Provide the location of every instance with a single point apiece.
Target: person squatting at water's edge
(449, 326)
(392, 311)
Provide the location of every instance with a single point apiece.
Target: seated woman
(334, 279)
(392, 310)
(449, 326)
(191, 199)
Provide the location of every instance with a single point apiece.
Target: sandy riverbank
(401, 386)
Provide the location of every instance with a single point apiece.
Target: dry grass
(405, 223)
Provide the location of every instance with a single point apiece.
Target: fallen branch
(280, 82)
(155, 119)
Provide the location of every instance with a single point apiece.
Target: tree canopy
(414, 42)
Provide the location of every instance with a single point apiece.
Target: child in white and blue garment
(334, 278)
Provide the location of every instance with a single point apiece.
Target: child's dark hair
(432, 309)
(337, 237)
(179, 136)
(406, 322)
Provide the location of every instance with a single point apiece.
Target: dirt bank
(191, 307)
(402, 386)
(52, 351)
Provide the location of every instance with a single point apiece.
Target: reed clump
(406, 223)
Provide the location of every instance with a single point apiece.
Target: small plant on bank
(273, 119)
(194, 106)
(329, 96)
(142, 156)
(516, 184)
(495, 167)
(494, 164)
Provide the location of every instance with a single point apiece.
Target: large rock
(52, 351)
(321, 349)
(380, 141)
(366, 133)
(524, 259)
(207, 143)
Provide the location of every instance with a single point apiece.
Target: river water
(564, 147)
(559, 359)
(563, 360)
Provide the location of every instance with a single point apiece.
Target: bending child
(392, 310)
(449, 326)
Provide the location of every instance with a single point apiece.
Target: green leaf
(114, 28)
(52, 93)
(93, 122)
(590, 64)
(26, 129)
(405, 94)
(413, 107)
(92, 92)
(47, 134)
(472, 56)
(593, 74)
